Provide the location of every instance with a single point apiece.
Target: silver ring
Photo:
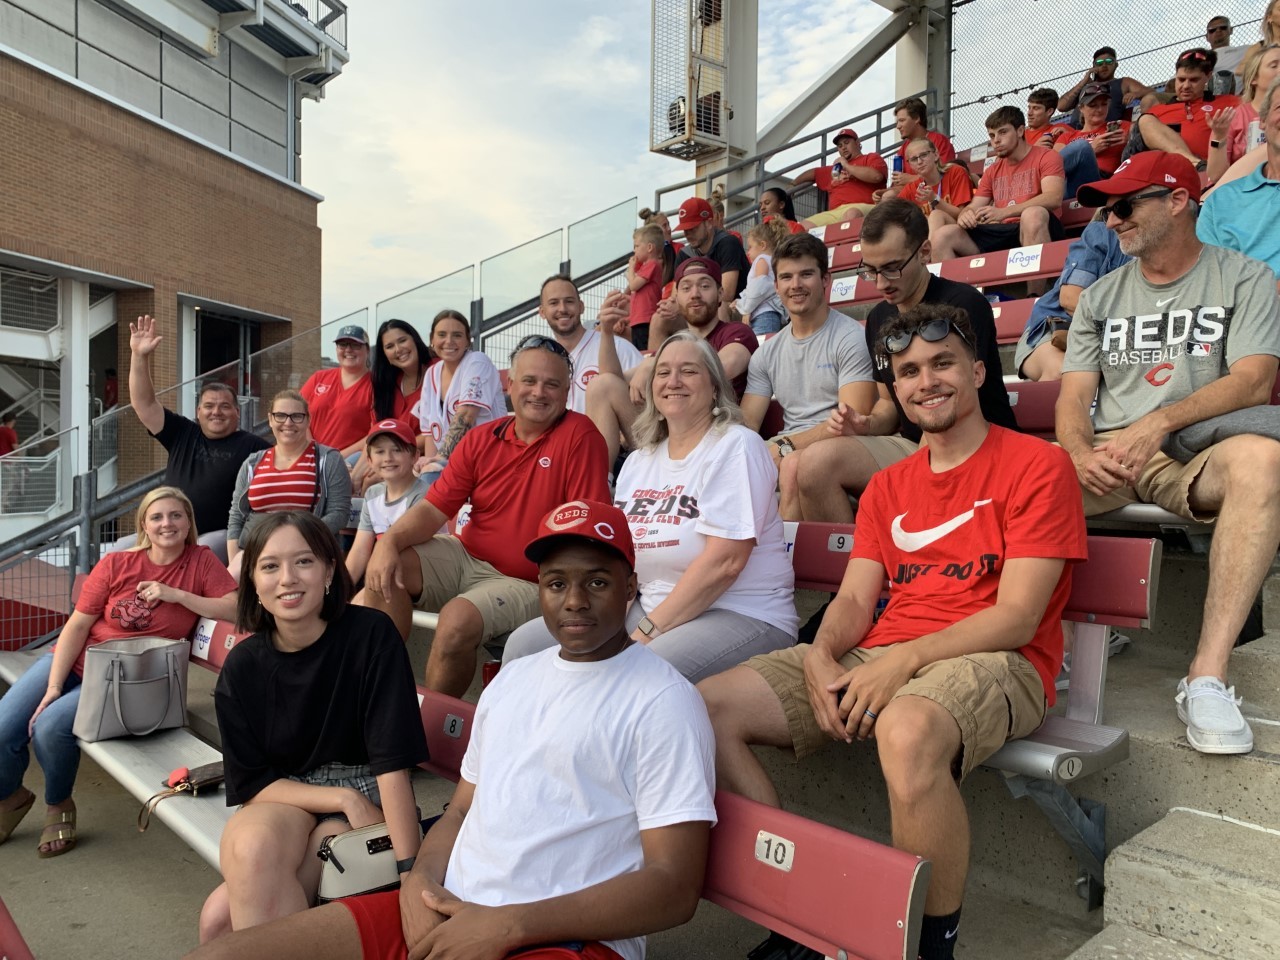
(868, 713)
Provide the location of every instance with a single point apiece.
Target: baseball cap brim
(1096, 194)
(538, 550)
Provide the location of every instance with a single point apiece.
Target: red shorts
(377, 917)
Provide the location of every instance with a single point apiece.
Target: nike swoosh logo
(951, 935)
(911, 541)
(1161, 303)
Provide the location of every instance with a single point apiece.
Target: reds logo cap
(396, 428)
(586, 519)
(1151, 168)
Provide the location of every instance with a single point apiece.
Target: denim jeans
(1081, 165)
(55, 744)
(766, 321)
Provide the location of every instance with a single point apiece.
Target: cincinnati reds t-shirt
(1155, 344)
(723, 488)
(944, 538)
(586, 365)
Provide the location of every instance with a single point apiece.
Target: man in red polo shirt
(850, 183)
(1192, 109)
(513, 471)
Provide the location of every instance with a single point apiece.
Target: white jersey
(475, 383)
(586, 365)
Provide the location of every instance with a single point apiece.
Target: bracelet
(54, 686)
(405, 865)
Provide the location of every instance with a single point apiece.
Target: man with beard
(612, 403)
(1017, 199)
(204, 456)
(817, 363)
(592, 352)
(976, 533)
(1183, 333)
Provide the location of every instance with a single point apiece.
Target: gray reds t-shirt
(805, 376)
(1156, 344)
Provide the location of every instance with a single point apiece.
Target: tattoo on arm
(463, 421)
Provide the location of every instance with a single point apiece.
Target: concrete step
(1255, 671)
(1202, 881)
(1118, 942)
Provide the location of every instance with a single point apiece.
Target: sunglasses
(291, 417)
(1195, 56)
(1104, 61)
(931, 331)
(869, 274)
(536, 341)
(1220, 29)
(1123, 208)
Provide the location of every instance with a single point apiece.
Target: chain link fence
(1063, 35)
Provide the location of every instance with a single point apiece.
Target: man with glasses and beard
(513, 471)
(976, 533)
(1183, 333)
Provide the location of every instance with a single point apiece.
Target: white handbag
(356, 862)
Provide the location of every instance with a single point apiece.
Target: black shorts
(1005, 236)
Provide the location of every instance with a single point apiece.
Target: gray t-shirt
(805, 376)
(1156, 344)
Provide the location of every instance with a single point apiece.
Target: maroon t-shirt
(723, 334)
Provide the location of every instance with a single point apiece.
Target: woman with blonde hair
(156, 589)
(716, 584)
(759, 303)
(1238, 130)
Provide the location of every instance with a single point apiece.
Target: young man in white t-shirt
(591, 351)
(591, 825)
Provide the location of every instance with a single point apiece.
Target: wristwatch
(784, 446)
(1215, 144)
(648, 627)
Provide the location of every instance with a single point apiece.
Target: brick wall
(85, 183)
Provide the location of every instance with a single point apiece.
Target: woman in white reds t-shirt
(716, 585)
(462, 391)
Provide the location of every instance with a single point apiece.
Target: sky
(452, 136)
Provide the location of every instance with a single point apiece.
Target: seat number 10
(774, 850)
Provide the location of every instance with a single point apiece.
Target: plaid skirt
(353, 776)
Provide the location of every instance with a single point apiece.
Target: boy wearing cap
(1183, 333)
(341, 398)
(592, 825)
(391, 449)
(850, 183)
(705, 239)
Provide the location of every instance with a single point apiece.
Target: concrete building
(151, 156)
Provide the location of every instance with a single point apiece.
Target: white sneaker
(1211, 711)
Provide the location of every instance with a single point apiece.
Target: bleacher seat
(1011, 319)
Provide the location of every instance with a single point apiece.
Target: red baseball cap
(397, 428)
(601, 523)
(698, 265)
(693, 211)
(1151, 168)
(846, 132)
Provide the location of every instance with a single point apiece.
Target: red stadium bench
(1033, 405)
(1011, 319)
(12, 944)
(772, 867)
(837, 233)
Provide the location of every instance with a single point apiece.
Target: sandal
(9, 819)
(63, 826)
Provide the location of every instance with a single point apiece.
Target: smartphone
(1113, 126)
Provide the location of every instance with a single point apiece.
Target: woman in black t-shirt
(319, 720)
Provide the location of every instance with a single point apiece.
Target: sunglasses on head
(930, 331)
(1123, 208)
(536, 341)
(1194, 56)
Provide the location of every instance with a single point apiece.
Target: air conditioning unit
(690, 66)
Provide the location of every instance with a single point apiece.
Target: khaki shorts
(838, 214)
(886, 451)
(1165, 482)
(993, 698)
(448, 571)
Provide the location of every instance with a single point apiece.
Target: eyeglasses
(291, 417)
(869, 274)
(930, 331)
(1104, 61)
(1123, 208)
(536, 341)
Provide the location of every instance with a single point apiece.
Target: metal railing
(36, 587)
(330, 16)
(28, 301)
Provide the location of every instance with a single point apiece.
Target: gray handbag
(132, 687)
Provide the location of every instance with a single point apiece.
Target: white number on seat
(774, 850)
(839, 543)
(453, 725)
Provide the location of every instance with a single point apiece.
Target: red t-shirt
(1007, 183)
(110, 595)
(513, 485)
(1061, 130)
(1191, 119)
(946, 149)
(943, 538)
(339, 417)
(723, 334)
(792, 225)
(272, 488)
(405, 405)
(954, 188)
(852, 190)
(645, 300)
(8, 440)
(1108, 159)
